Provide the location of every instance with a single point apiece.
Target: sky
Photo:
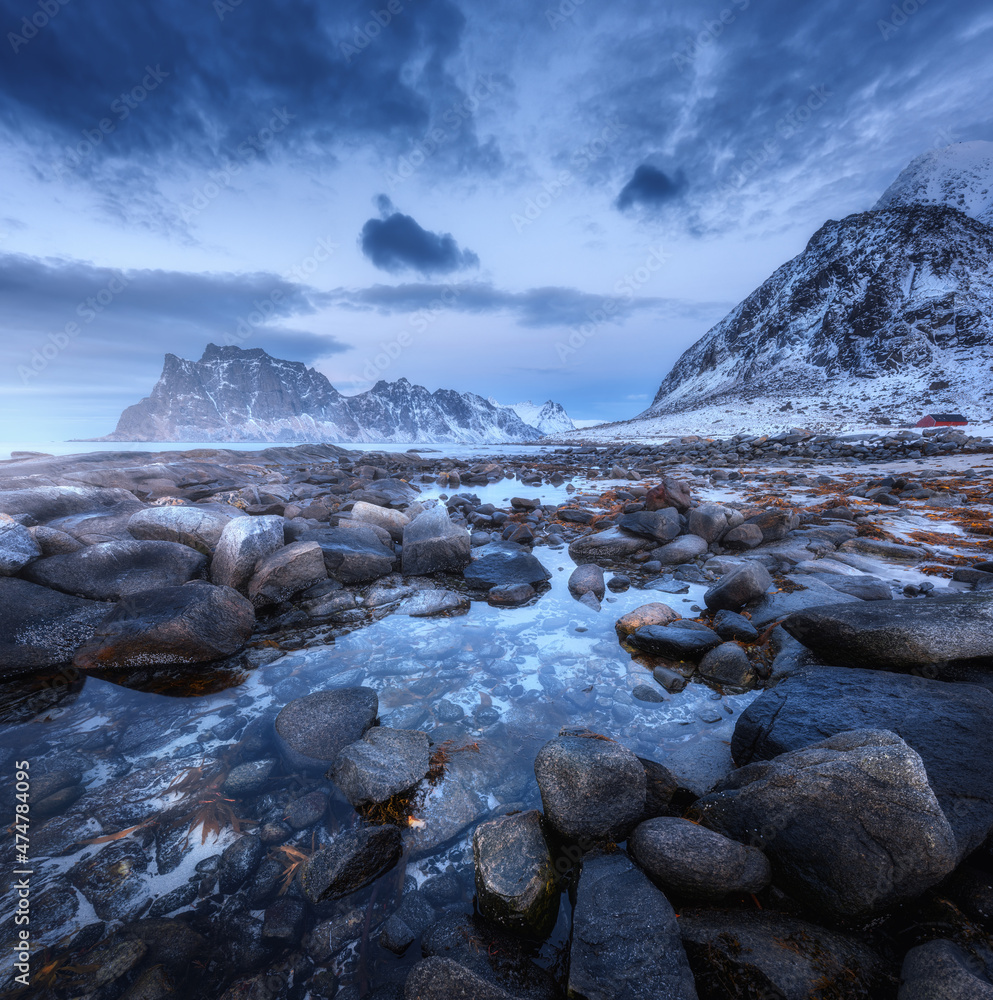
(495, 196)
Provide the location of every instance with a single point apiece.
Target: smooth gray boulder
(504, 564)
(17, 546)
(625, 936)
(682, 550)
(612, 545)
(49, 503)
(727, 664)
(850, 824)
(384, 763)
(587, 579)
(708, 521)
(285, 572)
(434, 602)
(432, 543)
(243, 543)
(354, 552)
(199, 529)
(659, 525)
(676, 643)
(745, 583)
(941, 970)
(393, 521)
(355, 858)
(312, 731)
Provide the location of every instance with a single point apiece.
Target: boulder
(675, 643)
(243, 543)
(727, 664)
(438, 978)
(884, 549)
(774, 607)
(41, 627)
(407, 922)
(744, 536)
(682, 550)
(432, 543)
(669, 493)
(354, 552)
(516, 883)
(238, 862)
(43, 504)
(941, 970)
(510, 595)
(850, 824)
(689, 860)
(591, 787)
(393, 521)
(708, 521)
(285, 572)
(900, 635)
(108, 571)
(587, 579)
(612, 545)
(774, 524)
(195, 623)
(647, 614)
(355, 858)
(730, 625)
(625, 937)
(192, 526)
(949, 725)
(504, 563)
(434, 602)
(658, 525)
(18, 546)
(54, 542)
(312, 731)
(745, 583)
(384, 763)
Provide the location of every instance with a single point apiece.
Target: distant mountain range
(233, 394)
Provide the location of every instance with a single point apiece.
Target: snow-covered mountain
(549, 418)
(232, 394)
(885, 314)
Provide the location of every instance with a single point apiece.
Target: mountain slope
(232, 394)
(549, 418)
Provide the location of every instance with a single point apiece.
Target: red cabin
(942, 420)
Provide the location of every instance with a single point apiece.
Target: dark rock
(646, 693)
(434, 602)
(285, 572)
(283, 920)
(682, 550)
(243, 543)
(591, 788)
(510, 595)
(671, 680)
(774, 524)
(354, 552)
(247, 779)
(54, 542)
(172, 943)
(587, 579)
(384, 763)
(18, 546)
(625, 937)
(941, 970)
(444, 979)
(669, 493)
(865, 588)
(850, 824)
(413, 916)
(777, 606)
(708, 521)
(238, 862)
(727, 664)
(313, 730)
(192, 526)
(730, 625)
(745, 583)
(658, 525)
(112, 880)
(660, 786)
(306, 810)
(356, 858)
(677, 643)
(501, 563)
(194, 623)
(744, 536)
(612, 545)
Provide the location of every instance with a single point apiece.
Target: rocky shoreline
(375, 837)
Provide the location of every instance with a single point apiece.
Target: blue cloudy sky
(491, 195)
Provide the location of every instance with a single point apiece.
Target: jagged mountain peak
(549, 418)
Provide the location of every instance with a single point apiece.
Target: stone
(18, 546)
(504, 563)
(49, 503)
(285, 572)
(669, 493)
(768, 954)
(41, 627)
(949, 725)
(941, 970)
(591, 788)
(727, 664)
(675, 643)
(438, 978)
(886, 550)
(708, 521)
(432, 543)
(775, 524)
(730, 625)
(660, 786)
(745, 583)
(248, 778)
(384, 763)
(850, 824)
(238, 862)
(393, 521)
(682, 550)
(688, 860)
(428, 603)
(587, 579)
(647, 614)
(355, 858)
(306, 810)
(658, 525)
(354, 552)
(54, 542)
(510, 595)
(109, 571)
(312, 731)
(283, 920)
(411, 918)
(243, 543)
(625, 936)
(744, 536)
(646, 693)
(672, 680)
(195, 623)
(612, 545)
(199, 529)
(112, 879)
(516, 882)
(902, 635)
(775, 607)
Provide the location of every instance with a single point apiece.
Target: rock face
(17, 547)
(625, 937)
(516, 882)
(285, 572)
(356, 858)
(735, 589)
(899, 635)
(504, 563)
(199, 529)
(195, 623)
(591, 788)
(689, 860)
(111, 570)
(850, 824)
(41, 627)
(940, 970)
(949, 725)
(382, 764)
(354, 552)
(313, 730)
(433, 544)
(243, 543)
(235, 394)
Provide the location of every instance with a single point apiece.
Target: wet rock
(243, 543)
(647, 614)
(775, 607)
(643, 692)
(682, 550)
(384, 763)
(612, 545)
(689, 860)
(671, 680)
(767, 954)
(171, 943)
(356, 858)
(510, 595)
(658, 525)
(433, 602)
(901, 635)
(112, 879)
(735, 589)
(49, 503)
(432, 543)
(152, 984)
(238, 862)
(283, 920)
(949, 725)
(504, 563)
(676, 643)
(247, 779)
(585, 580)
(625, 937)
(708, 521)
(865, 588)
(393, 521)
(591, 788)
(17, 546)
(887, 550)
(516, 883)
(192, 526)
(850, 824)
(303, 812)
(744, 536)
(354, 552)
(727, 664)
(730, 625)
(311, 731)
(669, 493)
(285, 572)
(41, 627)
(413, 916)
(444, 979)
(941, 970)
(111, 570)
(195, 623)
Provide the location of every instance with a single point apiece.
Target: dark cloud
(650, 187)
(396, 242)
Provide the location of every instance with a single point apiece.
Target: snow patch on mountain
(549, 418)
